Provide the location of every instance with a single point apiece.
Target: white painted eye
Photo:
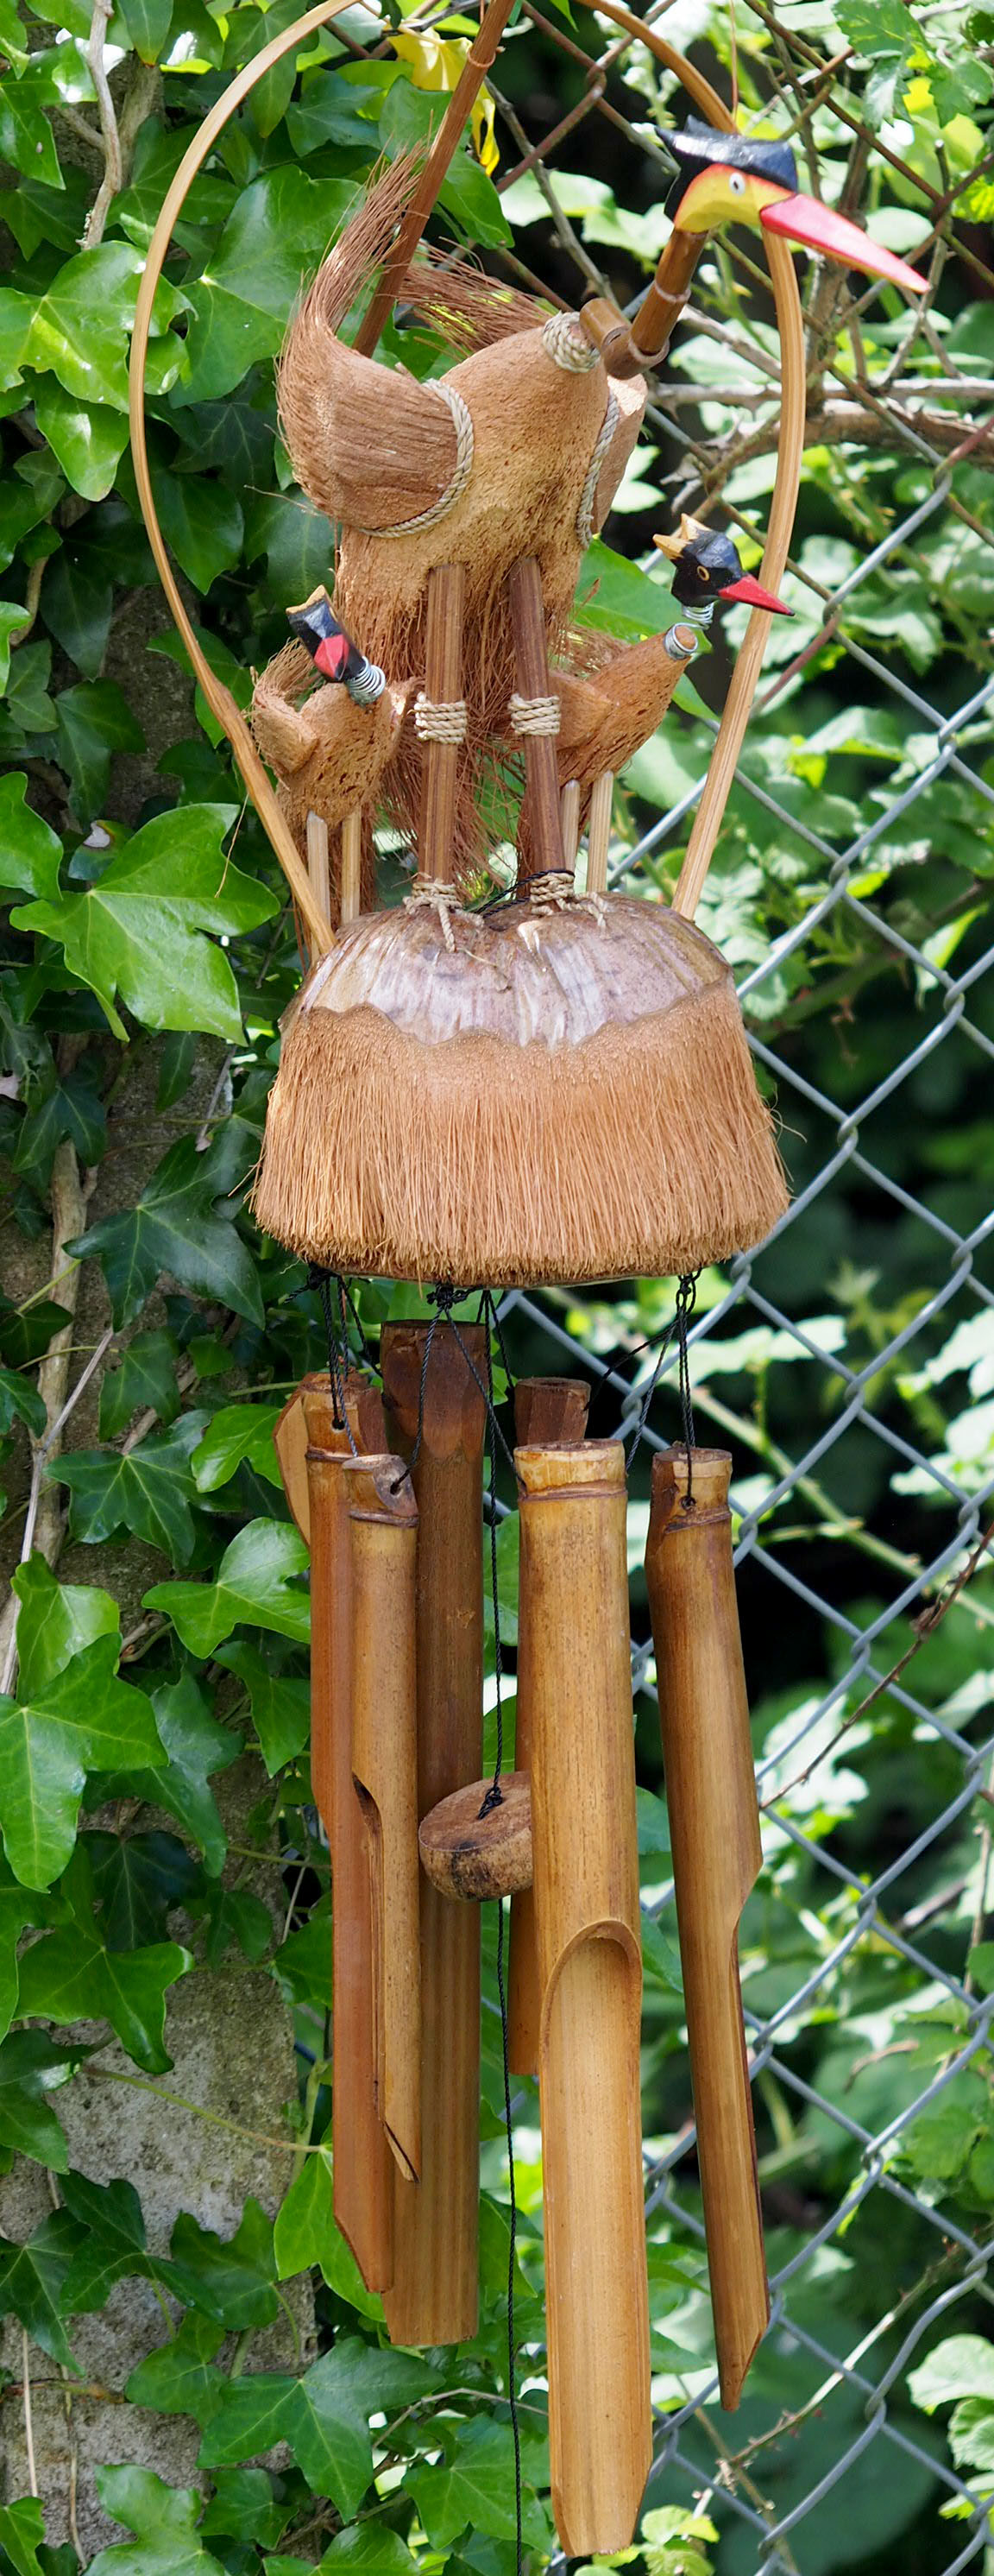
(736, 183)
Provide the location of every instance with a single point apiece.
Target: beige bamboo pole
(382, 1527)
(317, 863)
(364, 1409)
(531, 650)
(363, 2165)
(443, 688)
(714, 1830)
(350, 898)
(481, 54)
(549, 1412)
(434, 2294)
(574, 1584)
(599, 832)
(569, 820)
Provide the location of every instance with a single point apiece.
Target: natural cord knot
(456, 485)
(437, 895)
(439, 719)
(534, 715)
(551, 891)
(588, 496)
(565, 341)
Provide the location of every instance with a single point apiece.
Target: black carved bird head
(707, 568)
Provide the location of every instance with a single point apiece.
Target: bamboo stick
(549, 1412)
(663, 301)
(383, 1521)
(481, 54)
(317, 863)
(599, 832)
(714, 1828)
(363, 2165)
(350, 898)
(541, 801)
(434, 2295)
(574, 1583)
(443, 687)
(569, 821)
(364, 1411)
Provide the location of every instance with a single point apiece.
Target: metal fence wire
(828, 1944)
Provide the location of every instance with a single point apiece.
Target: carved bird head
(730, 179)
(708, 569)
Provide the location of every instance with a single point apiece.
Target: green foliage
(147, 959)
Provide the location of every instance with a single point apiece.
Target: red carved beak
(332, 655)
(752, 595)
(817, 227)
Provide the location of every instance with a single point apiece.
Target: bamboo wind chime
(555, 1088)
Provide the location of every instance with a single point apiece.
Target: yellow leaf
(437, 64)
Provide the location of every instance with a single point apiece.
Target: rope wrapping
(461, 471)
(534, 715)
(588, 496)
(439, 720)
(565, 342)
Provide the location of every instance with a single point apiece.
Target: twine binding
(439, 719)
(435, 894)
(534, 715)
(566, 342)
(588, 496)
(456, 486)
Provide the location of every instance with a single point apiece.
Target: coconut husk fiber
(565, 1096)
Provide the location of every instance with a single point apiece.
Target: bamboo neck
(478, 61)
(663, 302)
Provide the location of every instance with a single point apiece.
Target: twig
(110, 185)
(29, 2436)
(43, 1527)
(32, 598)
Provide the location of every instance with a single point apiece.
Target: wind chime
(554, 1088)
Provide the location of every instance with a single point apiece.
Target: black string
(494, 1798)
(686, 1299)
(338, 1362)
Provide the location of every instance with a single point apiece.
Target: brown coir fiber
(643, 1152)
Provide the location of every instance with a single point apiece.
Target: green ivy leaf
(26, 137)
(239, 1433)
(138, 1881)
(22, 2530)
(243, 2507)
(56, 1621)
(256, 1587)
(164, 2521)
(113, 2246)
(77, 602)
(79, 328)
(82, 1720)
(94, 721)
(475, 2490)
(962, 2366)
(146, 1491)
(282, 224)
(21, 1402)
(148, 23)
(178, 2379)
(88, 438)
(281, 1706)
(202, 522)
(305, 2233)
(174, 1228)
(230, 2280)
(197, 1747)
(370, 2546)
(70, 1976)
(138, 930)
(144, 1381)
(30, 853)
(33, 2277)
(31, 2067)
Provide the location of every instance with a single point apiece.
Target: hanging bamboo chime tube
(532, 718)
(549, 1412)
(569, 821)
(714, 1829)
(350, 897)
(382, 1529)
(363, 2165)
(317, 863)
(574, 1590)
(442, 708)
(433, 2298)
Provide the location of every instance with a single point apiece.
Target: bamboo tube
(350, 901)
(599, 832)
(363, 2165)
(443, 687)
(534, 681)
(434, 2294)
(317, 863)
(574, 1583)
(383, 1521)
(364, 1412)
(663, 301)
(549, 1412)
(482, 53)
(714, 1828)
(569, 821)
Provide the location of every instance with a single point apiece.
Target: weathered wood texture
(364, 1405)
(363, 2165)
(444, 687)
(534, 681)
(714, 1830)
(434, 2294)
(473, 1856)
(383, 1522)
(548, 1412)
(574, 1586)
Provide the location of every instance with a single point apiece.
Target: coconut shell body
(560, 1098)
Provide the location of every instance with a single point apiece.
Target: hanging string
(338, 1362)
(686, 1299)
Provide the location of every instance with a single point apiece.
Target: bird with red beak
(730, 179)
(708, 571)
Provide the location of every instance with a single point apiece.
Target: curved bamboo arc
(790, 454)
(219, 699)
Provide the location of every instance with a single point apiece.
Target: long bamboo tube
(714, 1829)
(531, 654)
(350, 895)
(363, 2165)
(549, 1412)
(382, 1524)
(434, 2294)
(364, 1409)
(443, 687)
(575, 1585)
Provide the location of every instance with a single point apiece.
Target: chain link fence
(886, 1581)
